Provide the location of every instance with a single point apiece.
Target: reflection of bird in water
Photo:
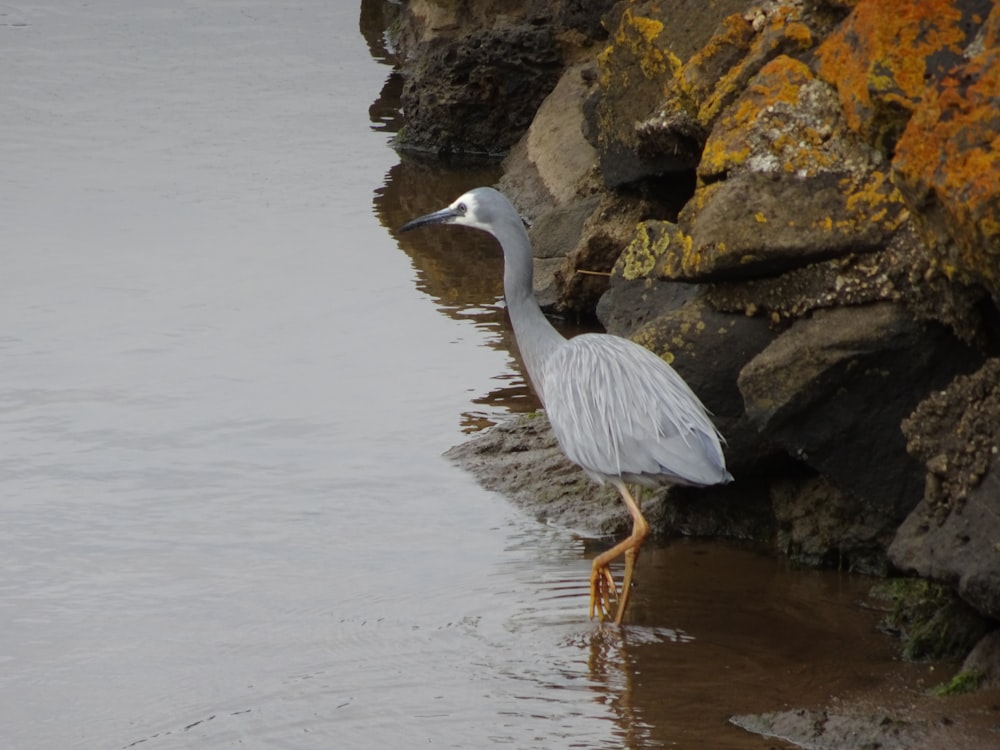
(612, 669)
(617, 409)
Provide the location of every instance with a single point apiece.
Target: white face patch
(468, 200)
(467, 212)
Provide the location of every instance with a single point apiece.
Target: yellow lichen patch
(650, 337)
(604, 65)
(637, 37)
(649, 28)
(991, 37)
(781, 80)
(685, 241)
(874, 199)
(722, 153)
(799, 33)
(881, 57)
(638, 258)
(669, 247)
(699, 259)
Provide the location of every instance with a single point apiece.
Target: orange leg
(602, 583)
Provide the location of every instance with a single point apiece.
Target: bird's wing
(619, 410)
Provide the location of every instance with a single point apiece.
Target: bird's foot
(603, 592)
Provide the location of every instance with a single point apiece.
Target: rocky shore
(797, 204)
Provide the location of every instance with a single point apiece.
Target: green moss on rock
(931, 620)
(963, 682)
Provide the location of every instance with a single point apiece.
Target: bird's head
(481, 209)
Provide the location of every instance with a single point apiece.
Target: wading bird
(618, 411)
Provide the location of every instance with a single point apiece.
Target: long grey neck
(536, 338)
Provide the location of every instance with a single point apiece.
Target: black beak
(443, 216)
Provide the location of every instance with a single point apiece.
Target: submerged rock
(981, 667)
(820, 525)
(931, 621)
(521, 459)
(830, 730)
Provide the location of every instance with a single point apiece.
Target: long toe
(603, 593)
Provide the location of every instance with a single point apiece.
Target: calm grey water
(224, 392)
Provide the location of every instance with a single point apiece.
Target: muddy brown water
(225, 394)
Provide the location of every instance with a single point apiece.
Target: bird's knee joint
(641, 530)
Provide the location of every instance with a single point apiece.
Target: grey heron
(618, 411)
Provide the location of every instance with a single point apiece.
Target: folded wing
(618, 410)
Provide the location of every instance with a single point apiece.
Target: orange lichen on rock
(776, 94)
(783, 34)
(885, 53)
(724, 50)
(947, 165)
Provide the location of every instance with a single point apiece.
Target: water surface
(225, 393)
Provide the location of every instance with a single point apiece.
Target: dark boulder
(834, 388)
(477, 93)
(954, 534)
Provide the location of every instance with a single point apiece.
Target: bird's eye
(461, 208)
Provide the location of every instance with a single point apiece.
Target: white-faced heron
(617, 409)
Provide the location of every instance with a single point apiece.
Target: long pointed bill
(438, 217)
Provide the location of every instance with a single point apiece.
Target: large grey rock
(550, 164)
(961, 549)
(954, 534)
(834, 388)
(556, 233)
(757, 224)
